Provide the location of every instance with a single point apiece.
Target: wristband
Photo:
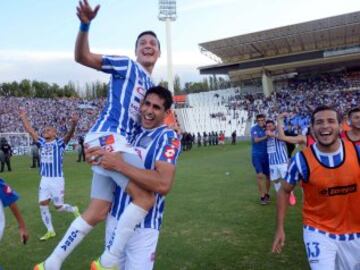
(84, 27)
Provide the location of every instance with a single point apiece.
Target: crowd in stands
(48, 112)
(297, 95)
(300, 96)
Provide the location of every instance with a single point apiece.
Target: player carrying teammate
(113, 130)
(159, 147)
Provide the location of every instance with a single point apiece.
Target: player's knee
(58, 207)
(44, 203)
(96, 212)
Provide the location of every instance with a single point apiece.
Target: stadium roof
(330, 33)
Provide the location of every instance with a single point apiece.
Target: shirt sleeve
(254, 133)
(297, 170)
(169, 148)
(115, 65)
(7, 195)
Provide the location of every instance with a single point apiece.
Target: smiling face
(153, 112)
(147, 51)
(49, 133)
(261, 122)
(326, 129)
(355, 120)
(270, 126)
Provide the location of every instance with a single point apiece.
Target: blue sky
(37, 36)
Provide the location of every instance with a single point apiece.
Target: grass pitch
(212, 220)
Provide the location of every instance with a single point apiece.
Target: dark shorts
(261, 164)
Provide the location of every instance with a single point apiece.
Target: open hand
(85, 12)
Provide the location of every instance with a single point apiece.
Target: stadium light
(167, 13)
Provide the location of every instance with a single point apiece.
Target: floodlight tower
(167, 13)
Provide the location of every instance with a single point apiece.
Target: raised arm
(28, 128)
(83, 55)
(299, 139)
(74, 120)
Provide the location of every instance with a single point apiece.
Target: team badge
(145, 141)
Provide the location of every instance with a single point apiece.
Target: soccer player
(260, 159)
(278, 157)
(8, 198)
(52, 183)
(114, 128)
(330, 175)
(353, 135)
(159, 148)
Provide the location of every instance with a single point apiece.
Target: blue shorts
(261, 164)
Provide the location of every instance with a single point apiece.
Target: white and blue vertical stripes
(153, 146)
(127, 87)
(51, 157)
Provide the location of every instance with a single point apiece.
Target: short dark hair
(260, 116)
(270, 122)
(163, 93)
(151, 33)
(324, 108)
(353, 110)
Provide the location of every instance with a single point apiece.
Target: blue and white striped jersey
(277, 151)
(51, 157)
(298, 169)
(127, 87)
(159, 144)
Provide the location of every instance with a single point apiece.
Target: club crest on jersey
(145, 141)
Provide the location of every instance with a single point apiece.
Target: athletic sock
(46, 217)
(77, 231)
(125, 228)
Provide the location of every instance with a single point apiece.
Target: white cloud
(59, 66)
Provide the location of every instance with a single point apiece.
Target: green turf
(213, 219)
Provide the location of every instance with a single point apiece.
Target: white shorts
(52, 188)
(278, 171)
(112, 142)
(326, 253)
(139, 251)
